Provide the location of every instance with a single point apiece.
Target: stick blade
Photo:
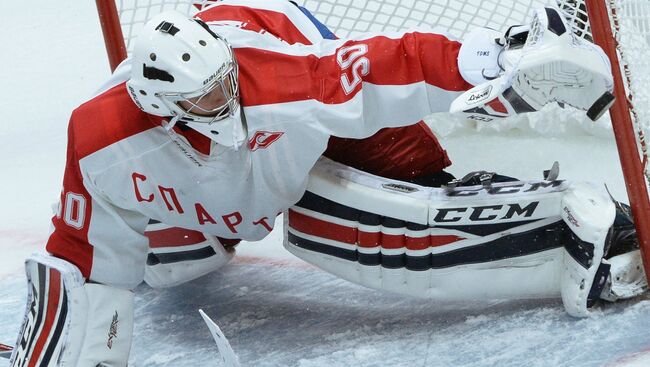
(228, 355)
(5, 351)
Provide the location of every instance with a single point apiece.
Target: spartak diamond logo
(262, 139)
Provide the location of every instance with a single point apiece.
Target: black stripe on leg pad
(536, 240)
(320, 204)
(555, 23)
(58, 329)
(581, 251)
(174, 257)
(487, 229)
(40, 311)
(332, 208)
(341, 253)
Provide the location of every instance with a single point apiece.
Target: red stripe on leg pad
(53, 304)
(418, 243)
(444, 240)
(340, 233)
(369, 239)
(321, 228)
(172, 237)
(392, 241)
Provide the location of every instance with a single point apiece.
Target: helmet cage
(225, 80)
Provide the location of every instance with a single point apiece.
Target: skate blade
(627, 277)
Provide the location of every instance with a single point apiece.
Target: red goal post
(628, 138)
(604, 21)
(109, 20)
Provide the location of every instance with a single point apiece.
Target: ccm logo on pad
(262, 139)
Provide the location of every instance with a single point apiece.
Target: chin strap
(236, 133)
(239, 136)
(168, 126)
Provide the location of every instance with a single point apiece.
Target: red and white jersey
(297, 89)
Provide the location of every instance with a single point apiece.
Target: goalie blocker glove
(553, 65)
(69, 322)
(178, 255)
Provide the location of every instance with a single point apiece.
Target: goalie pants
(410, 153)
(402, 153)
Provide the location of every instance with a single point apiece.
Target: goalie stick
(228, 355)
(225, 350)
(5, 351)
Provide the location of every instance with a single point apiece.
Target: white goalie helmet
(183, 70)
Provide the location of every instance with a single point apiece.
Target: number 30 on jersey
(73, 208)
(352, 57)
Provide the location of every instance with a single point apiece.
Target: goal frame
(624, 132)
(109, 19)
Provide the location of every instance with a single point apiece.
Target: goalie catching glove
(530, 67)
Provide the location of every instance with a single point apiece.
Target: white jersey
(297, 90)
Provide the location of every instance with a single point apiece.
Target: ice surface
(276, 310)
(284, 313)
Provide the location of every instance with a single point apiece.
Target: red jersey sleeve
(69, 238)
(354, 87)
(105, 242)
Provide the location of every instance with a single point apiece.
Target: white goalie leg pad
(72, 323)
(511, 240)
(178, 255)
(469, 243)
(589, 212)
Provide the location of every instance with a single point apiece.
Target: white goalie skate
(626, 272)
(552, 66)
(626, 278)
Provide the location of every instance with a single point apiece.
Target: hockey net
(621, 27)
(456, 17)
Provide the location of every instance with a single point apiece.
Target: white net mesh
(456, 17)
(350, 17)
(631, 23)
(134, 13)
(354, 16)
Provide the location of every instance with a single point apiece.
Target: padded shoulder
(106, 119)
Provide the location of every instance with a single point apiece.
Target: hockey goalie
(212, 127)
